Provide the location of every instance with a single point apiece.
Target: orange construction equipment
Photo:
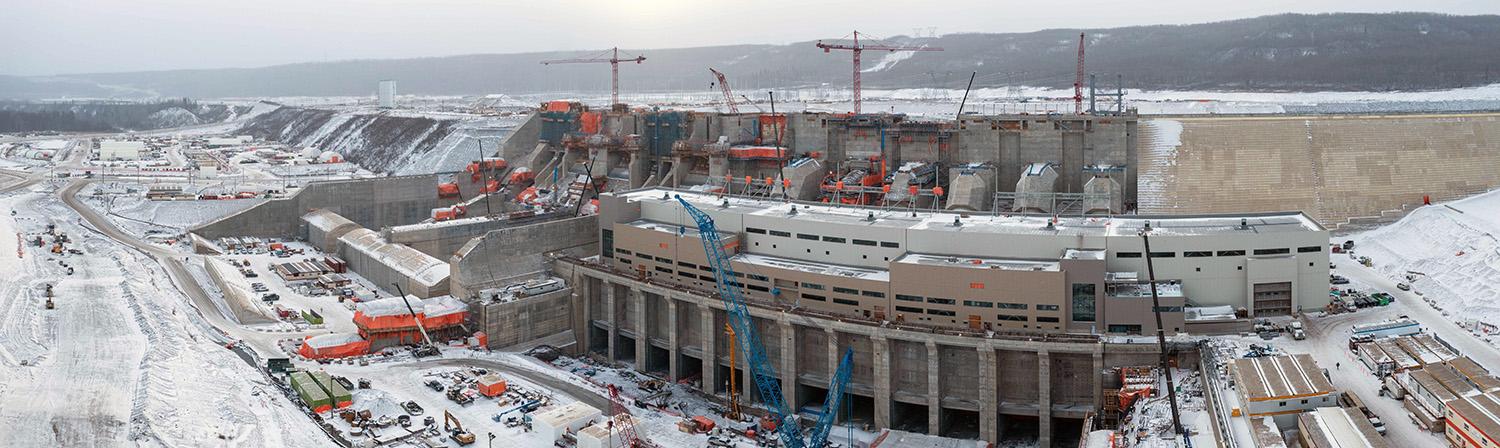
(559, 106)
(448, 190)
(491, 385)
(703, 424)
(329, 346)
(521, 175)
(589, 122)
(447, 213)
(490, 187)
(527, 195)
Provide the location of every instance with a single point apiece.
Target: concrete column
(674, 344)
(788, 368)
(989, 404)
(710, 358)
(1098, 378)
(833, 358)
(609, 316)
(583, 302)
(1044, 398)
(881, 358)
(642, 333)
(934, 389)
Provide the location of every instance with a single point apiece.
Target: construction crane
(1078, 80)
(728, 95)
(734, 389)
(622, 420)
(614, 69)
(426, 348)
(748, 338)
(858, 48)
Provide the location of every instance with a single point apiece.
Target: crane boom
(614, 69)
(1078, 80)
(858, 48)
(835, 396)
(728, 95)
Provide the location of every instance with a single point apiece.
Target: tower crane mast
(857, 48)
(1078, 80)
(614, 69)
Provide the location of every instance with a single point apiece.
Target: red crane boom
(858, 48)
(614, 69)
(728, 95)
(1078, 80)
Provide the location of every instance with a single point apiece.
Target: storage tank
(1035, 190)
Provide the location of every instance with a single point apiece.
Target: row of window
(823, 238)
(1222, 253)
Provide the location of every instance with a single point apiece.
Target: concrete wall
(524, 320)
(371, 203)
(503, 255)
(443, 239)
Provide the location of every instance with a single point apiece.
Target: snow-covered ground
(123, 360)
(1452, 253)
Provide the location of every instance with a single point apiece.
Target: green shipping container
(308, 389)
(332, 389)
(312, 318)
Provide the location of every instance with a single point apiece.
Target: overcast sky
(40, 37)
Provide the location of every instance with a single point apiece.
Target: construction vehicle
(50, 305)
(426, 347)
(456, 430)
(784, 422)
(620, 418)
(733, 412)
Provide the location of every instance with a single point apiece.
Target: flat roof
(1281, 377)
(1335, 427)
(986, 222)
(1475, 373)
(836, 270)
(980, 262)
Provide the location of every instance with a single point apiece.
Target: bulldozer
(456, 430)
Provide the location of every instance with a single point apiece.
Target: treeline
(12, 121)
(107, 115)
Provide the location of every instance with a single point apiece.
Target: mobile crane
(748, 339)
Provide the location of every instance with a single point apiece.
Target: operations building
(121, 149)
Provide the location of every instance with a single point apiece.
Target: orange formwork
(331, 346)
(391, 315)
(590, 122)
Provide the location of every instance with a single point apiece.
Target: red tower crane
(622, 421)
(614, 69)
(728, 95)
(1078, 80)
(857, 48)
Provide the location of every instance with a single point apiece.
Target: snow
(395, 306)
(1163, 139)
(1451, 252)
(890, 60)
(332, 340)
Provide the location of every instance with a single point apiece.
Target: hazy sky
(86, 36)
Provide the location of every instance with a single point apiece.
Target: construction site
(698, 274)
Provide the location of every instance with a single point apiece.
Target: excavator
(456, 429)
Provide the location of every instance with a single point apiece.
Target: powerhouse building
(957, 320)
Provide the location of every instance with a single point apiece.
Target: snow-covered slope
(400, 143)
(1453, 249)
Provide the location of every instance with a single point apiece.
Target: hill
(1292, 52)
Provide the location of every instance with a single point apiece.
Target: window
(761, 278)
(1168, 309)
(938, 301)
(1011, 317)
(1083, 302)
(907, 298)
(1127, 255)
(1163, 254)
(979, 304)
(875, 294)
(1046, 319)
(1046, 307)
(890, 244)
(1304, 401)
(687, 265)
(1198, 253)
(1272, 251)
(846, 302)
(907, 309)
(780, 233)
(1011, 306)
(804, 236)
(623, 259)
(622, 252)
(758, 288)
(812, 286)
(940, 312)
(833, 239)
(1308, 249)
(607, 241)
(843, 290)
(739, 275)
(1231, 253)
(663, 260)
(755, 230)
(864, 242)
(705, 268)
(662, 269)
(815, 297)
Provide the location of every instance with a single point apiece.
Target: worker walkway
(1335, 168)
